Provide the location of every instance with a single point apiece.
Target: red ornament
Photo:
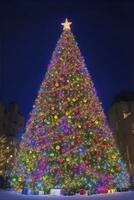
(60, 161)
(82, 191)
(78, 141)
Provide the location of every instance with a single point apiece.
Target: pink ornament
(102, 189)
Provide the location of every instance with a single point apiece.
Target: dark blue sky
(29, 30)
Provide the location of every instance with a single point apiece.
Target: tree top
(66, 25)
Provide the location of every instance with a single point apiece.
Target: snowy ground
(8, 195)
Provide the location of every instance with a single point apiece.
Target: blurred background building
(121, 119)
(11, 126)
(2, 116)
(13, 121)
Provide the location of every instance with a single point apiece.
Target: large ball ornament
(81, 149)
(67, 159)
(56, 84)
(96, 122)
(55, 117)
(20, 179)
(57, 147)
(52, 154)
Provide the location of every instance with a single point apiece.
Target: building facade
(11, 120)
(121, 119)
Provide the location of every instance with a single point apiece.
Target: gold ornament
(28, 170)
(96, 122)
(33, 156)
(57, 147)
(66, 25)
(112, 190)
(67, 113)
(55, 117)
(20, 179)
(67, 159)
(84, 100)
(69, 116)
(79, 126)
(113, 156)
(56, 84)
(27, 160)
(19, 190)
(41, 114)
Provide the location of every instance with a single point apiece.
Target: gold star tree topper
(66, 25)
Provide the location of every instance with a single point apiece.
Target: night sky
(29, 31)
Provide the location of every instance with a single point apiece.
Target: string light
(68, 143)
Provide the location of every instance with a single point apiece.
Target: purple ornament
(65, 130)
(46, 140)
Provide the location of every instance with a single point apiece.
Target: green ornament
(47, 121)
(14, 179)
(52, 154)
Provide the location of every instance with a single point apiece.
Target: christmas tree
(7, 154)
(67, 143)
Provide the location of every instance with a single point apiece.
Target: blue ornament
(39, 184)
(28, 180)
(27, 191)
(82, 149)
(58, 51)
(57, 187)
